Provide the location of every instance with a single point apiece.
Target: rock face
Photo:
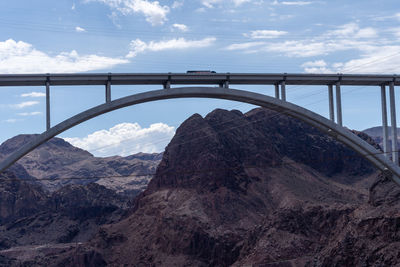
(57, 163)
(370, 235)
(31, 216)
(255, 189)
(225, 144)
(48, 198)
(18, 199)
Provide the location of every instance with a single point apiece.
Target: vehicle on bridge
(200, 71)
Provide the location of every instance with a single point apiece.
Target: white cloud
(280, 17)
(296, 3)
(213, 3)
(33, 94)
(371, 53)
(73, 6)
(177, 4)
(292, 3)
(318, 66)
(385, 59)
(24, 104)
(154, 13)
(265, 34)
(244, 46)
(317, 63)
(366, 33)
(394, 31)
(21, 57)
(299, 48)
(239, 2)
(319, 46)
(10, 120)
(345, 37)
(115, 19)
(181, 27)
(352, 30)
(138, 46)
(79, 29)
(383, 18)
(126, 139)
(34, 113)
(344, 30)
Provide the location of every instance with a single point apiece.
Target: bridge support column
(226, 84)
(331, 107)
(47, 105)
(283, 90)
(339, 105)
(385, 133)
(108, 91)
(395, 153)
(277, 90)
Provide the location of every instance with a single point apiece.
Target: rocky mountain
(31, 216)
(377, 131)
(377, 135)
(18, 198)
(254, 189)
(57, 163)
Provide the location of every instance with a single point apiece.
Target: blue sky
(47, 36)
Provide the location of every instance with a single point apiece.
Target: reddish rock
(254, 189)
(57, 163)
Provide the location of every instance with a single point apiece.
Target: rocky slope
(18, 199)
(31, 216)
(370, 234)
(255, 189)
(57, 163)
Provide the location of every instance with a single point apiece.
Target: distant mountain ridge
(377, 134)
(57, 163)
(378, 131)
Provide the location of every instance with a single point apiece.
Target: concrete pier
(331, 106)
(283, 90)
(385, 132)
(395, 153)
(276, 90)
(48, 105)
(108, 92)
(339, 105)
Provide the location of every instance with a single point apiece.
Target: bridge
(218, 86)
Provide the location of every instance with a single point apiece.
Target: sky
(141, 36)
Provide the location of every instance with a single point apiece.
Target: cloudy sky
(66, 36)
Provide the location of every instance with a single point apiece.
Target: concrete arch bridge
(218, 86)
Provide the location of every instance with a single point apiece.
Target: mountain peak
(59, 144)
(226, 143)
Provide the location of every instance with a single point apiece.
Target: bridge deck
(190, 78)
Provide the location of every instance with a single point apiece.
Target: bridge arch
(338, 132)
